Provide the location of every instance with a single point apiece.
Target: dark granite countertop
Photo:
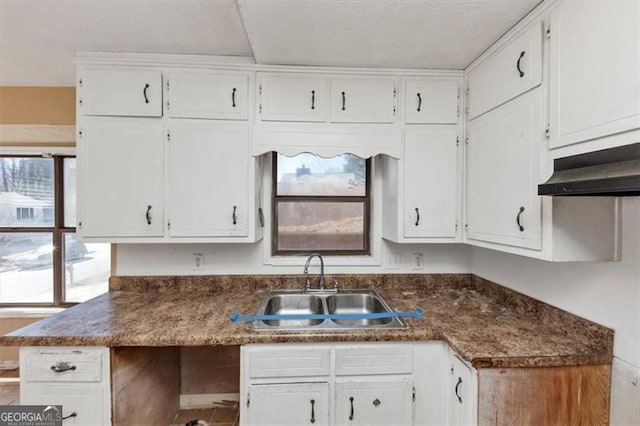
(485, 323)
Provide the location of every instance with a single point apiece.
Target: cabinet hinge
(169, 225)
(167, 105)
(458, 111)
(248, 400)
(466, 228)
(395, 91)
(458, 93)
(468, 91)
(466, 140)
(456, 225)
(80, 224)
(457, 140)
(168, 85)
(413, 394)
(80, 83)
(80, 133)
(260, 89)
(548, 32)
(547, 132)
(394, 111)
(260, 108)
(168, 136)
(80, 102)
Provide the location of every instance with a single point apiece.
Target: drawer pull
(313, 414)
(457, 386)
(234, 217)
(351, 415)
(518, 64)
(233, 97)
(148, 215)
(520, 227)
(313, 99)
(419, 101)
(417, 217)
(344, 99)
(74, 414)
(61, 367)
(144, 93)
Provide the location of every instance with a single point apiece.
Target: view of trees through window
(41, 262)
(321, 204)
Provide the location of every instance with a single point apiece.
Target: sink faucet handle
(335, 284)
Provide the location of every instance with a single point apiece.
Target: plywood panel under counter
(568, 395)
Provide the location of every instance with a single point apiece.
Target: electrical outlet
(393, 260)
(198, 262)
(418, 261)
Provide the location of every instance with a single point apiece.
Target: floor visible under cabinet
(219, 416)
(9, 387)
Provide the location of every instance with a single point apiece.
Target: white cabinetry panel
(120, 92)
(363, 99)
(595, 70)
(291, 97)
(363, 401)
(120, 162)
(512, 70)
(208, 179)
(289, 404)
(503, 156)
(431, 100)
(215, 95)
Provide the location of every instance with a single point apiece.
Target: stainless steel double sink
(296, 302)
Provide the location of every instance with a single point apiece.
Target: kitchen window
(41, 262)
(320, 205)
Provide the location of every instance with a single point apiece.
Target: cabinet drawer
(208, 95)
(431, 101)
(120, 92)
(514, 69)
(360, 360)
(293, 98)
(363, 100)
(61, 365)
(291, 362)
(84, 404)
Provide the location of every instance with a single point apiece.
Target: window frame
(276, 199)
(57, 231)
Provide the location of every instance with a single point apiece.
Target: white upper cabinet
(208, 174)
(503, 155)
(431, 100)
(208, 94)
(292, 97)
(595, 70)
(116, 91)
(363, 99)
(512, 70)
(430, 182)
(120, 177)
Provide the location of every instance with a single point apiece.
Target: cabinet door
(431, 100)
(363, 100)
(293, 98)
(595, 69)
(289, 404)
(82, 404)
(208, 95)
(512, 70)
(503, 156)
(430, 181)
(208, 179)
(366, 402)
(463, 394)
(120, 92)
(120, 191)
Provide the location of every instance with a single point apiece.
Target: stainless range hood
(610, 172)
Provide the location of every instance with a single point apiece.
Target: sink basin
(357, 303)
(286, 302)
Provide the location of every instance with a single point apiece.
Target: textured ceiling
(38, 38)
(377, 33)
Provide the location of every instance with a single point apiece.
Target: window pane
(313, 225)
(69, 176)
(26, 192)
(87, 268)
(308, 174)
(26, 268)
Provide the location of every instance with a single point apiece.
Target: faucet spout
(306, 271)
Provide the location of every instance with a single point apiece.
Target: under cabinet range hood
(609, 172)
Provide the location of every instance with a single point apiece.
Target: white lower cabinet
(463, 392)
(368, 401)
(289, 404)
(344, 383)
(75, 377)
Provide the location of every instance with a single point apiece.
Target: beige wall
(9, 355)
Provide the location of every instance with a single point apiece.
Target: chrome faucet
(307, 285)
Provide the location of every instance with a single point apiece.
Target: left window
(41, 262)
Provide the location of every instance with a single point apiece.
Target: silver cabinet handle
(61, 367)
